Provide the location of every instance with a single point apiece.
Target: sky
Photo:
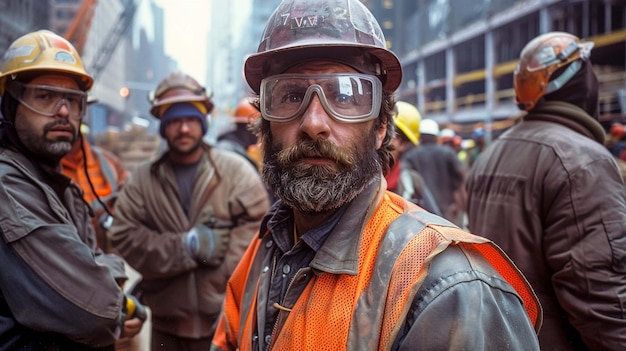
(186, 26)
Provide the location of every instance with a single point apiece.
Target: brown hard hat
(344, 31)
(179, 87)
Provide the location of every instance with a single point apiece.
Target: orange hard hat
(540, 58)
(245, 112)
(617, 130)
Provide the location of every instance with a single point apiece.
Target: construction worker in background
(184, 220)
(448, 137)
(100, 174)
(442, 171)
(240, 139)
(478, 135)
(615, 141)
(550, 193)
(402, 180)
(616, 144)
(322, 272)
(58, 290)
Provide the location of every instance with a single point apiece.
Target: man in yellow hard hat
(59, 291)
(402, 180)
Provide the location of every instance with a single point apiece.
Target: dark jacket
(442, 171)
(185, 297)
(549, 193)
(54, 294)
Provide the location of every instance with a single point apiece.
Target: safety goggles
(346, 97)
(47, 100)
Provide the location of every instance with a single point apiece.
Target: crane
(103, 55)
(78, 29)
(76, 32)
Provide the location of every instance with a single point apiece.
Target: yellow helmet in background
(43, 51)
(540, 58)
(407, 119)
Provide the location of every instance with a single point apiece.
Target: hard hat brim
(359, 56)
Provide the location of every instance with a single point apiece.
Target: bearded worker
(340, 263)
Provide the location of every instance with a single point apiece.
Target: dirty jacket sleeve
(585, 248)
(50, 279)
(470, 302)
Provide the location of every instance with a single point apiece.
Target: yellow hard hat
(43, 51)
(407, 119)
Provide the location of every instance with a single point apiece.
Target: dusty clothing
(54, 294)
(345, 285)
(107, 174)
(106, 171)
(186, 297)
(549, 193)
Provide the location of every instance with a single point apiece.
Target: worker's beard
(38, 142)
(314, 188)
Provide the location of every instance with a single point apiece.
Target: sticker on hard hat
(306, 22)
(18, 51)
(64, 56)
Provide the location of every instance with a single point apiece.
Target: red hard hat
(617, 130)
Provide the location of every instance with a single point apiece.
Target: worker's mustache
(314, 149)
(59, 122)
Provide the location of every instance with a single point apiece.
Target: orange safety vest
(103, 173)
(345, 312)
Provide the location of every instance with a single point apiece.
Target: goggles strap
(569, 72)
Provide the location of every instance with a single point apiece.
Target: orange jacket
(357, 312)
(106, 172)
(107, 175)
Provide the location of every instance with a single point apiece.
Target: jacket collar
(340, 252)
(568, 115)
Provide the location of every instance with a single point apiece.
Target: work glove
(206, 245)
(134, 308)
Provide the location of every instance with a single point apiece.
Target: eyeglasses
(47, 100)
(176, 123)
(346, 97)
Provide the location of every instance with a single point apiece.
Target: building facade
(458, 56)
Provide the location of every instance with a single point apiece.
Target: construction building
(458, 56)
